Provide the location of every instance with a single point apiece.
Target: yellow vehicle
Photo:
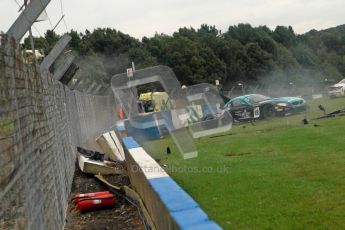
(154, 101)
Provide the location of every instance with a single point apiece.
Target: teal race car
(285, 106)
(257, 106)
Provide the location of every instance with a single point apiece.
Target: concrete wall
(169, 206)
(41, 123)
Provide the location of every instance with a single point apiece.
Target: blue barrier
(181, 209)
(130, 143)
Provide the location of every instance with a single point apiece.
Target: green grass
(6, 125)
(278, 174)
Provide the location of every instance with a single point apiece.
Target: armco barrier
(168, 204)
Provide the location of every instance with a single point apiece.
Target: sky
(140, 18)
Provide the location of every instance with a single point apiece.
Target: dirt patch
(123, 216)
(265, 130)
(223, 135)
(236, 154)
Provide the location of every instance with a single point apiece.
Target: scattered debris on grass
(340, 112)
(305, 121)
(323, 109)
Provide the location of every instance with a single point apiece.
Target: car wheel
(267, 111)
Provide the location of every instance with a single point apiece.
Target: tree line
(243, 53)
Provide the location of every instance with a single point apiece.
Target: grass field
(276, 174)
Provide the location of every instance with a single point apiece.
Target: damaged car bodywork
(252, 106)
(285, 106)
(337, 90)
(257, 106)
